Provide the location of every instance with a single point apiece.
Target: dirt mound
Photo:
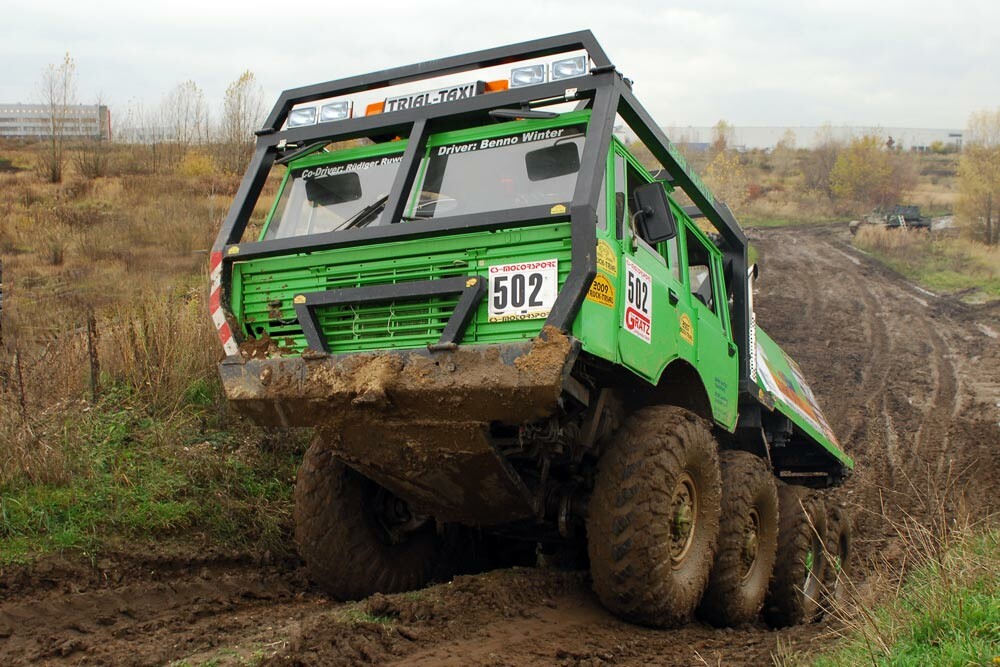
(910, 382)
(510, 617)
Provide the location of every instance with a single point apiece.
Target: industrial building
(34, 121)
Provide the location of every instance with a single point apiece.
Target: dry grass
(939, 263)
(127, 250)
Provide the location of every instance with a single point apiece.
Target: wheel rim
(751, 544)
(683, 518)
(394, 516)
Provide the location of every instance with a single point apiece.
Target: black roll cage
(604, 91)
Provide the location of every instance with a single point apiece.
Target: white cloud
(781, 62)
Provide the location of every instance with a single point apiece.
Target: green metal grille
(263, 290)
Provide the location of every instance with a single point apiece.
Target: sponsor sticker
(602, 291)
(523, 291)
(638, 301)
(607, 259)
(687, 331)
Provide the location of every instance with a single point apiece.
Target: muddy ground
(910, 381)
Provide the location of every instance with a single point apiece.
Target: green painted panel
(266, 288)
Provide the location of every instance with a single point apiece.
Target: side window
(700, 269)
(634, 179)
(620, 195)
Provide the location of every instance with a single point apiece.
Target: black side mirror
(655, 221)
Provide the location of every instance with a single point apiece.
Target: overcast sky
(849, 62)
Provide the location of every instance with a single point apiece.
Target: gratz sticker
(523, 291)
(638, 301)
(602, 291)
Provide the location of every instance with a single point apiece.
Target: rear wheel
(357, 538)
(794, 593)
(838, 550)
(748, 540)
(653, 518)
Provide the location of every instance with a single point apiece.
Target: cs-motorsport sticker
(602, 291)
(523, 291)
(638, 301)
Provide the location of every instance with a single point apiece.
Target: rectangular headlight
(527, 76)
(301, 117)
(335, 111)
(568, 68)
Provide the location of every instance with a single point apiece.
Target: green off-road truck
(505, 330)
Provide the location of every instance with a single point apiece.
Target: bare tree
(58, 94)
(979, 177)
(183, 115)
(722, 137)
(93, 155)
(819, 162)
(242, 114)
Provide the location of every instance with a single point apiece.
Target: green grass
(138, 477)
(939, 264)
(947, 613)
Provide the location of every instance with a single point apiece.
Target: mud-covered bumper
(509, 382)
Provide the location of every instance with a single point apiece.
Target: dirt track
(909, 380)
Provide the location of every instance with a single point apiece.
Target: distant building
(34, 121)
(751, 138)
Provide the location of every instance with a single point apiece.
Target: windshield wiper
(362, 217)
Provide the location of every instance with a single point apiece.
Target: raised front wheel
(355, 537)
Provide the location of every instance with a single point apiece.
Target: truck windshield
(533, 168)
(530, 168)
(333, 197)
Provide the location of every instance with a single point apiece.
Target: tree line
(162, 135)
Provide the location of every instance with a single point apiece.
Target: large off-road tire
(653, 518)
(343, 539)
(794, 594)
(748, 541)
(838, 551)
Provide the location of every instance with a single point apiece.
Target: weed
(355, 616)
(945, 612)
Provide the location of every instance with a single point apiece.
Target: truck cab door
(716, 354)
(648, 286)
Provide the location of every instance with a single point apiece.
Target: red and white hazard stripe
(215, 305)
